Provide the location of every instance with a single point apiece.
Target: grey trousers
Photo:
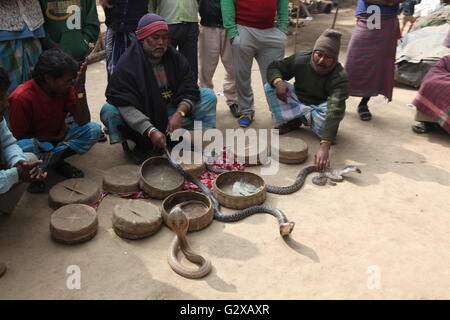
(265, 45)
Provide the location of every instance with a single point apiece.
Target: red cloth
(33, 113)
(256, 13)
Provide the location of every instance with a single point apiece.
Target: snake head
(177, 220)
(350, 169)
(286, 228)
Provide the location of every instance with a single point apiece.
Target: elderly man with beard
(317, 98)
(153, 92)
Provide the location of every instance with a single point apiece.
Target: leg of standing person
(229, 83)
(244, 49)
(270, 48)
(188, 45)
(208, 55)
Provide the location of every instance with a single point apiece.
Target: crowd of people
(160, 63)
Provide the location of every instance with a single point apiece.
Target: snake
(285, 226)
(321, 179)
(179, 223)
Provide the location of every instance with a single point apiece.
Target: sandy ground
(390, 223)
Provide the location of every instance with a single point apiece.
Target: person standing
(213, 43)
(251, 27)
(370, 62)
(21, 26)
(122, 17)
(182, 18)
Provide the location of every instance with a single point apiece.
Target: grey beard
(322, 71)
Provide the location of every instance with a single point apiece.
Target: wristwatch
(182, 114)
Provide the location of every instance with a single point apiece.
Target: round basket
(251, 154)
(291, 150)
(77, 190)
(197, 207)
(158, 178)
(136, 219)
(73, 223)
(121, 179)
(223, 187)
(191, 162)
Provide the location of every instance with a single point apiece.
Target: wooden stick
(334, 19)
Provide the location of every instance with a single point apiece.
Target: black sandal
(67, 171)
(422, 127)
(36, 187)
(364, 113)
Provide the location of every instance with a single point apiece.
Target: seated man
(39, 111)
(153, 92)
(15, 166)
(318, 96)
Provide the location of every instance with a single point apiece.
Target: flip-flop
(422, 127)
(36, 187)
(364, 113)
(67, 171)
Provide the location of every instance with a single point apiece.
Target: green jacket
(312, 88)
(70, 25)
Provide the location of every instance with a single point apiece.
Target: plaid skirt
(284, 112)
(17, 58)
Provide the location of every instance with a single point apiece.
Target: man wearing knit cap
(317, 98)
(153, 92)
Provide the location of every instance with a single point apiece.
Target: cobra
(285, 225)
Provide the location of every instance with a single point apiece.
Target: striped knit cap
(150, 23)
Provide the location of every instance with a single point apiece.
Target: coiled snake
(179, 223)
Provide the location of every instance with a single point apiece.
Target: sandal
(364, 113)
(67, 171)
(422, 127)
(289, 126)
(36, 187)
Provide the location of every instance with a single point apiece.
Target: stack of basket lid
(121, 179)
(196, 206)
(191, 162)
(73, 223)
(158, 178)
(78, 190)
(224, 184)
(136, 219)
(290, 150)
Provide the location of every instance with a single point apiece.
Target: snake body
(179, 223)
(321, 179)
(286, 226)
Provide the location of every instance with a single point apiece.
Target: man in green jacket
(71, 25)
(317, 98)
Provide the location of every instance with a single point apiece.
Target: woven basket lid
(191, 162)
(79, 190)
(121, 179)
(73, 223)
(136, 219)
(291, 150)
(251, 154)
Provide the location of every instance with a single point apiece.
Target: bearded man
(153, 92)
(317, 98)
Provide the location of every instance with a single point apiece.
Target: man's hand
(175, 122)
(80, 75)
(158, 139)
(282, 91)
(29, 171)
(105, 4)
(322, 156)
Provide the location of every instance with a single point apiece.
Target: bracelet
(152, 129)
(182, 113)
(325, 141)
(274, 82)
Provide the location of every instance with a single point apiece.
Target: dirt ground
(383, 234)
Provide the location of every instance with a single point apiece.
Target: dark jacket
(131, 84)
(125, 14)
(210, 13)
